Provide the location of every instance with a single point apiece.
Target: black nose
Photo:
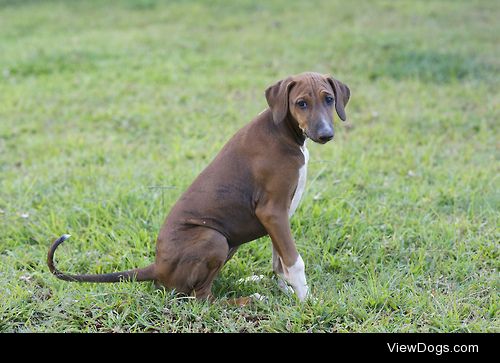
(325, 136)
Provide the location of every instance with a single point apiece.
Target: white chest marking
(301, 183)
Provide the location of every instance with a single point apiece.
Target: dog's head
(309, 98)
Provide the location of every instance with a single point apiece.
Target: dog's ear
(277, 98)
(342, 94)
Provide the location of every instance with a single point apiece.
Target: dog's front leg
(278, 270)
(288, 263)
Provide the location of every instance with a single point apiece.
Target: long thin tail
(139, 274)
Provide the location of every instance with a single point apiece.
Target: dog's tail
(140, 274)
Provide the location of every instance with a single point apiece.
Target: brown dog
(251, 189)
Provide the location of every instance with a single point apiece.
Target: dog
(250, 189)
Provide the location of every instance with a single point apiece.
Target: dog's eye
(329, 99)
(302, 104)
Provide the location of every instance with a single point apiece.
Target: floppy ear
(277, 98)
(342, 94)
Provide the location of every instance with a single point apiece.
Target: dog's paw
(258, 297)
(284, 287)
(253, 278)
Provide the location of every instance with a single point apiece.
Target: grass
(108, 110)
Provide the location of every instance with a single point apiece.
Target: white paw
(284, 287)
(253, 278)
(258, 297)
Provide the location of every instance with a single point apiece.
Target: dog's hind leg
(193, 264)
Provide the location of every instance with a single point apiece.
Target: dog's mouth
(323, 140)
(319, 140)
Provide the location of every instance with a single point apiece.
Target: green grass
(108, 110)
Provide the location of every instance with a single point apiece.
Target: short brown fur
(243, 194)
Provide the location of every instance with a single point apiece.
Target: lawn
(109, 110)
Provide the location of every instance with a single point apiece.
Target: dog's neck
(291, 127)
